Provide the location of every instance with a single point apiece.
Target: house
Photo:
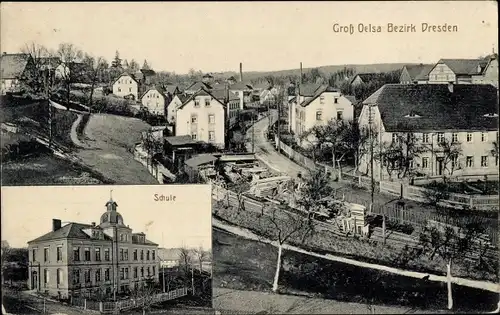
(243, 91)
(154, 100)
(203, 117)
(126, 86)
(80, 259)
(489, 73)
(208, 78)
(317, 104)
(415, 74)
(458, 71)
(177, 100)
(363, 78)
(179, 149)
(196, 86)
(466, 114)
(233, 103)
(14, 68)
(76, 72)
(231, 80)
(172, 89)
(200, 165)
(144, 76)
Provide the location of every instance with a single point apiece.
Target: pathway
(484, 285)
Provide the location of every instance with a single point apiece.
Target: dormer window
(412, 114)
(491, 115)
(479, 69)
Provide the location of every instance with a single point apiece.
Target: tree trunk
(278, 268)
(448, 280)
(340, 169)
(333, 159)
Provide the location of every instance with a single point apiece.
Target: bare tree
(185, 259)
(69, 55)
(201, 256)
(145, 297)
(38, 60)
(451, 151)
(315, 187)
(450, 243)
(95, 66)
(283, 226)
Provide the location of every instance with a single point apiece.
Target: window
(119, 89)
(142, 255)
(45, 276)
(211, 135)
(440, 137)
(340, 115)
(87, 276)
(59, 253)
(33, 253)
(149, 272)
(454, 162)
(98, 275)
(322, 99)
(147, 255)
(153, 255)
(122, 274)
(336, 100)
(469, 137)
(196, 103)
(106, 274)
(194, 119)
(135, 272)
(130, 82)
(319, 115)
(87, 254)
(207, 102)
(154, 270)
(142, 271)
(98, 254)
(126, 273)
(130, 89)
(135, 254)
(425, 162)
(76, 276)
(106, 254)
(484, 161)
(454, 137)
(122, 254)
(121, 237)
(59, 276)
(193, 136)
(469, 162)
(211, 119)
(394, 138)
(425, 138)
(46, 254)
(76, 254)
(126, 254)
(484, 137)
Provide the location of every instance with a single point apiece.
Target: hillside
(380, 67)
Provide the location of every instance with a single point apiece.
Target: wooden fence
(111, 307)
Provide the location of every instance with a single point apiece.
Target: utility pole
(370, 122)
(192, 279)
(47, 96)
(253, 133)
(278, 145)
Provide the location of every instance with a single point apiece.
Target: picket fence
(112, 307)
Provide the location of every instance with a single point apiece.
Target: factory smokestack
(241, 72)
(300, 73)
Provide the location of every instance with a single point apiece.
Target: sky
(27, 212)
(217, 36)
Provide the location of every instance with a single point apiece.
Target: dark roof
(183, 97)
(71, 230)
(13, 65)
(436, 107)
(464, 66)
(126, 74)
(200, 160)
(419, 72)
(203, 92)
(309, 89)
(208, 75)
(351, 99)
(199, 85)
(147, 72)
(171, 89)
(241, 86)
(319, 91)
(180, 140)
(158, 88)
(366, 76)
(221, 95)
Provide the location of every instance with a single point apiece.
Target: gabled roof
(171, 89)
(71, 230)
(419, 72)
(124, 74)
(182, 97)
(241, 86)
(351, 99)
(309, 89)
(202, 92)
(157, 88)
(436, 107)
(366, 76)
(199, 85)
(180, 140)
(200, 160)
(13, 65)
(464, 66)
(221, 95)
(322, 89)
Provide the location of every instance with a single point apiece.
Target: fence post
(383, 225)
(471, 201)
(101, 309)
(85, 304)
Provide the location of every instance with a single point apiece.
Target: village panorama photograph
(106, 250)
(351, 170)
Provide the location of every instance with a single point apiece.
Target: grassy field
(248, 265)
(47, 170)
(112, 139)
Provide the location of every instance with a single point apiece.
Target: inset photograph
(108, 249)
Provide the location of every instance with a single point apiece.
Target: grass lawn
(112, 139)
(248, 265)
(47, 170)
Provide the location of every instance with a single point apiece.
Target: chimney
(241, 72)
(450, 87)
(56, 224)
(93, 224)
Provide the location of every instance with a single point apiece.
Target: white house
(126, 86)
(154, 100)
(175, 103)
(466, 114)
(465, 71)
(243, 91)
(203, 117)
(13, 69)
(316, 104)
